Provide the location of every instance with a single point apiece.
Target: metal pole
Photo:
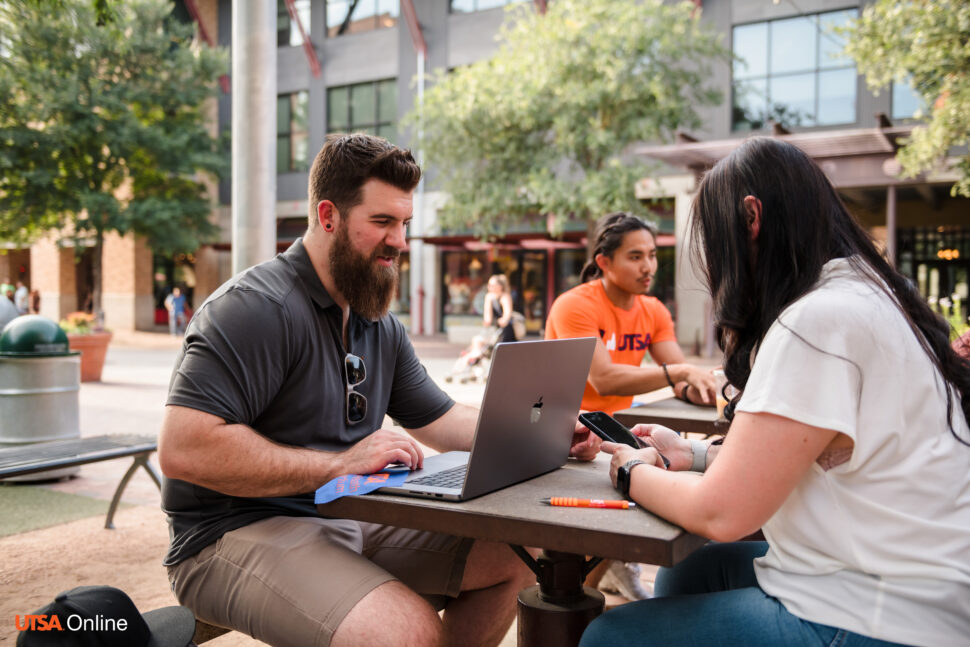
(253, 132)
(418, 317)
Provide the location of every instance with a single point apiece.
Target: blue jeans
(176, 322)
(712, 598)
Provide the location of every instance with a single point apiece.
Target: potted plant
(87, 335)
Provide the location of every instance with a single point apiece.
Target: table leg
(557, 610)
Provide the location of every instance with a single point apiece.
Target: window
(569, 267)
(291, 132)
(287, 31)
(363, 107)
(791, 72)
(354, 16)
(937, 259)
(905, 101)
(463, 6)
(464, 276)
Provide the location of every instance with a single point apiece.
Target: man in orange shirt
(612, 304)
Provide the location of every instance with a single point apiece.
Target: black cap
(103, 616)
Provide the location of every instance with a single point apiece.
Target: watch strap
(625, 474)
(698, 452)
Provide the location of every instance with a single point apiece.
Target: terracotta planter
(93, 347)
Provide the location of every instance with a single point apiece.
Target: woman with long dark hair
(848, 445)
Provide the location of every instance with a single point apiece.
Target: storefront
(938, 261)
(538, 270)
(536, 276)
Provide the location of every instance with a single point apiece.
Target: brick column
(52, 273)
(7, 269)
(126, 284)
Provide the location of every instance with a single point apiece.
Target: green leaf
(926, 43)
(104, 123)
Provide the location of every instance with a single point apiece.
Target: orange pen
(573, 502)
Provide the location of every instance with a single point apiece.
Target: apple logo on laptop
(536, 411)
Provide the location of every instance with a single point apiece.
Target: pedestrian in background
(21, 297)
(175, 304)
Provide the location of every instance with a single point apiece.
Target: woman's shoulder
(841, 291)
(844, 314)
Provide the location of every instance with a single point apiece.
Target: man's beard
(367, 285)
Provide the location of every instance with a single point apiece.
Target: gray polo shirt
(265, 350)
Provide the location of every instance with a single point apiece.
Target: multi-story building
(789, 84)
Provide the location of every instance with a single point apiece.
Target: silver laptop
(525, 425)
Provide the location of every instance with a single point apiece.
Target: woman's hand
(669, 443)
(622, 454)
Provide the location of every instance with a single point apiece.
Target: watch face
(623, 480)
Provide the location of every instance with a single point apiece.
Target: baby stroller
(472, 365)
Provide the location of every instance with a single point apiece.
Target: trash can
(40, 378)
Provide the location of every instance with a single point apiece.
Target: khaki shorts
(292, 580)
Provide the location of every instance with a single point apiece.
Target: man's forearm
(454, 430)
(622, 379)
(236, 460)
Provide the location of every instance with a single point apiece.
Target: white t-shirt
(879, 545)
(20, 299)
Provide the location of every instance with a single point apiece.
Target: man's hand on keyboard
(378, 450)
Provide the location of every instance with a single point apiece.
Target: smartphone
(608, 428)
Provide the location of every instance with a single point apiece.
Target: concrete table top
(514, 515)
(675, 414)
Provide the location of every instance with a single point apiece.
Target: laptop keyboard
(450, 478)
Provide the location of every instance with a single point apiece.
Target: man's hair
(610, 231)
(346, 162)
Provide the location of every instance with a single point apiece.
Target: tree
(545, 126)
(924, 42)
(104, 128)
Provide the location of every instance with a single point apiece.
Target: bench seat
(54, 454)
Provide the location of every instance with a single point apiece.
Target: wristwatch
(623, 476)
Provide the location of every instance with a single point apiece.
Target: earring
(328, 226)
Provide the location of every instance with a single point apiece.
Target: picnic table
(558, 608)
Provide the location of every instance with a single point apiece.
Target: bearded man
(284, 379)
